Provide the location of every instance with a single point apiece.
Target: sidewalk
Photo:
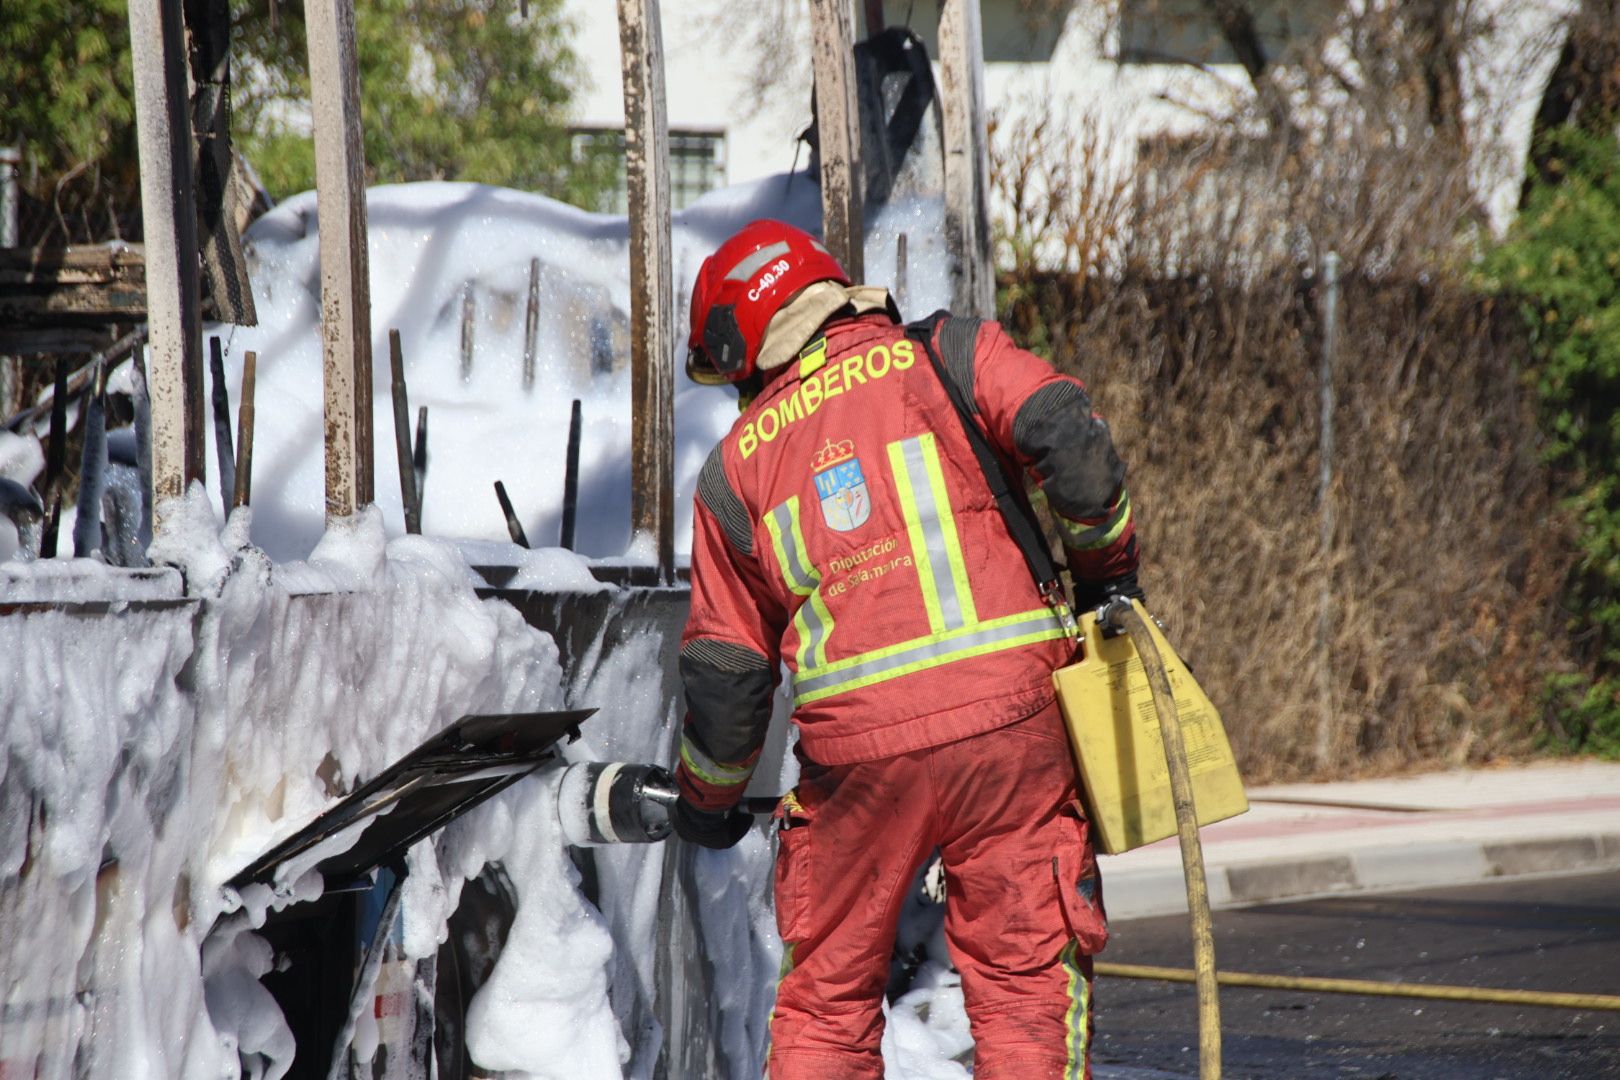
(1448, 828)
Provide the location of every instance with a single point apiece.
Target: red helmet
(740, 287)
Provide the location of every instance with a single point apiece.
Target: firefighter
(844, 531)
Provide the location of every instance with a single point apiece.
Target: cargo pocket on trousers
(1079, 886)
(792, 870)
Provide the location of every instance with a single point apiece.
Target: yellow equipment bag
(1114, 729)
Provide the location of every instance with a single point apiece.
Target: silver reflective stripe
(802, 578)
(752, 263)
(928, 652)
(928, 516)
(795, 567)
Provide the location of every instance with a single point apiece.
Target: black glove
(715, 829)
(1091, 595)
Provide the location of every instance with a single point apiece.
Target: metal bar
(967, 158)
(1434, 992)
(340, 203)
(222, 425)
(900, 270)
(531, 325)
(513, 526)
(1324, 502)
(87, 536)
(55, 461)
(838, 120)
(242, 490)
(570, 507)
(402, 436)
(468, 314)
(419, 461)
(169, 213)
(652, 380)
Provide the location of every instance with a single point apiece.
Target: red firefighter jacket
(844, 530)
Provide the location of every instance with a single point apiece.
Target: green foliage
(450, 89)
(1562, 262)
(65, 95)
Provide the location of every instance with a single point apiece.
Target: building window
(697, 165)
(1185, 31)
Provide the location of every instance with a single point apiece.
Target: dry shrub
(1422, 633)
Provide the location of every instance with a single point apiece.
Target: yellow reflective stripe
(1077, 1019)
(710, 771)
(919, 540)
(935, 650)
(947, 525)
(1095, 537)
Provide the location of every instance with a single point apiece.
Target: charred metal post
(838, 127)
(468, 314)
(222, 425)
(514, 527)
(242, 490)
(967, 158)
(340, 201)
(55, 461)
(570, 507)
(419, 461)
(168, 209)
(900, 272)
(402, 436)
(531, 325)
(652, 376)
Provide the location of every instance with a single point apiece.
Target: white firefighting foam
(147, 757)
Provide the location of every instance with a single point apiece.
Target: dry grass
(1198, 326)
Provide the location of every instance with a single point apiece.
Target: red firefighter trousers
(1023, 909)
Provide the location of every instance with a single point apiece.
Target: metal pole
(242, 490)
(168, 209)
(843, 179)
(222, 425)
(468, 313)
(340, 202)
(900, 272)
(967, 158)
(570, 507)
(514, 527)
(402, 436)
(652, 305)
(531, 325)
(1324, 502)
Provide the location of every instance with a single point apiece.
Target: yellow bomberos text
(827, 382)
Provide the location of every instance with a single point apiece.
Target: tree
(67, 99)
(450, 89)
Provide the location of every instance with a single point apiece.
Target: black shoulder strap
(1021, 523)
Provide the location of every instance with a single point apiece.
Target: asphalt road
(1550, 934)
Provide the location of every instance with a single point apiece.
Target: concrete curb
(1132, 894)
